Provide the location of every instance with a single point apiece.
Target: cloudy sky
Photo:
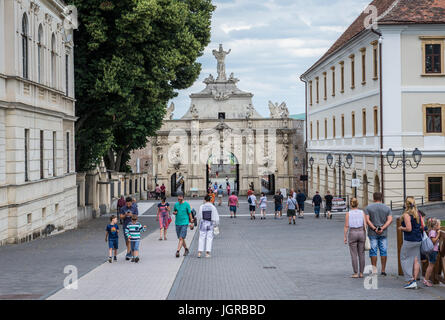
(273, 42)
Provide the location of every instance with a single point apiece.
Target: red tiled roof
(399, 12)
(416, 12)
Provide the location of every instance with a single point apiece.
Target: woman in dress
(412, 225)
(356, 237)
(163, 217)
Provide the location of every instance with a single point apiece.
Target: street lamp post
(417, 157)
(340, 163)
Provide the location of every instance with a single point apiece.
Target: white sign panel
(355, 183)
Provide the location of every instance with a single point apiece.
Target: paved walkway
(260, 259)
(149, 279)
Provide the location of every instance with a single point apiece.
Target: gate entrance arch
(223, 172)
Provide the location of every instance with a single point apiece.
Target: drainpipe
(305, 127)
(382, 182)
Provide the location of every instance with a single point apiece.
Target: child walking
(112, 237)
(263, 205)
(434, 234)
(133, 232)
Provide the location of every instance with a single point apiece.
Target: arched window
(40, 57)
(53, 60)
(25, 45)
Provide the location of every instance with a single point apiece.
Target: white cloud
(272, 42)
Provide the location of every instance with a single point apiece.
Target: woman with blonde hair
(412, 224)
(355, 223)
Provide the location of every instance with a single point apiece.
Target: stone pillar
(80, 181)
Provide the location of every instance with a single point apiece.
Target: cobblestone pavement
(261, 259)
(34, 270)
(149, 279)
(269, 259)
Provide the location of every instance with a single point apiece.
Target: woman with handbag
(163, 217)
(412, 223)
(208, 223)
(355, 223)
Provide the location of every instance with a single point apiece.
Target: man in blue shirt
(126, 214)
(183, 213)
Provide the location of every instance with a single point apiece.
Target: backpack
(249, 200)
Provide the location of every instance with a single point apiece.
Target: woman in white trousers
(208, 218)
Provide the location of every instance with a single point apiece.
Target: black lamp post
(340, 163)
(417, 157)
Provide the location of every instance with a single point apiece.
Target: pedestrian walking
(228, 189)
(120, 205)
(157, 191)
(278, 200)
(291, 207)
(162, 190)
(183, 213)
(328, 205)
(233, 204)
(208, 219)
(355, 236)
(112, 237)
(412, 238)
(293, 193)
(220, 195)
(434, 234)
(263, 206)
(133, 232)
(378, 218)
(163, 216)
(126, 214)
(301, 198)
(316, 203)
(252, 205)
(212, 196)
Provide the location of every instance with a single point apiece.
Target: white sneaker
(208, 255)
(411, 285)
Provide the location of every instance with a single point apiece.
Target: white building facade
(373, 91)
(37, 168)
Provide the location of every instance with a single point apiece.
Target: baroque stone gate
(223, 129)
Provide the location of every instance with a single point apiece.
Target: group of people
(128, 214)
(215, 190)
(207, 218)
(374, 222)
(160, 191)
(363, 229)
(294, 203)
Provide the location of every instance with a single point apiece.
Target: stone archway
(177, 183)
(223, 171)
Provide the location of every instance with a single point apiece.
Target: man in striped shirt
(133, 232)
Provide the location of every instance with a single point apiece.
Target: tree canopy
(130, 58)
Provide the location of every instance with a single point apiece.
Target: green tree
(130, 58)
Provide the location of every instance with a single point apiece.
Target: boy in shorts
(112, 237)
